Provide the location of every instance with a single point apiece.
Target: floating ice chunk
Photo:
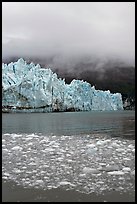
(16, 135)
(6, 174)
(100, 142)
(102, 164)
(30, 144)
(62, 183)
(5, 177)
(49, 149)
(91, 145)
(69, 160)
(126, 169)
(92, 150)
(112, 168)
(120, 188)
(18, 171)
(117, 173)
(108, 140)
(7, 134)
(39, 182)
(29, 138)
(120, 150)
(126, 159)
(24, 167)
(88, 170)
(133, 173)
(121, 178)
(82, 175)
(131, 146)
(100, 182)
(17, 148)
(32, 164)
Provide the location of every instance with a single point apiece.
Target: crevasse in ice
(28, 86)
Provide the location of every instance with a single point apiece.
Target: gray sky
(69, 29)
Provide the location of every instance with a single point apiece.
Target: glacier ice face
(28, 86)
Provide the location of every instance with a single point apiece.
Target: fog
(69, 31)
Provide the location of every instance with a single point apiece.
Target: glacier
(28, 87)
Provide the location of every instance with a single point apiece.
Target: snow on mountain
(28, 86)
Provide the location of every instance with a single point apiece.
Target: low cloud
(69, 30)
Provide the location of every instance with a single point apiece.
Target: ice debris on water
(60, 162)
(32, 88)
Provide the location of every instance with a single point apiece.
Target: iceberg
(29, 87)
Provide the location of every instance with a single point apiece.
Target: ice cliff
(30, 87)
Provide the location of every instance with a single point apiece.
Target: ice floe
(86, 163)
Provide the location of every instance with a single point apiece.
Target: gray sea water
(73, 156)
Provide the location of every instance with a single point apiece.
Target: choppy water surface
(97, 161)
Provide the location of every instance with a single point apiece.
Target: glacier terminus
(28, 87)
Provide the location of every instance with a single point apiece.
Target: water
(76, 156)
(119, 124)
